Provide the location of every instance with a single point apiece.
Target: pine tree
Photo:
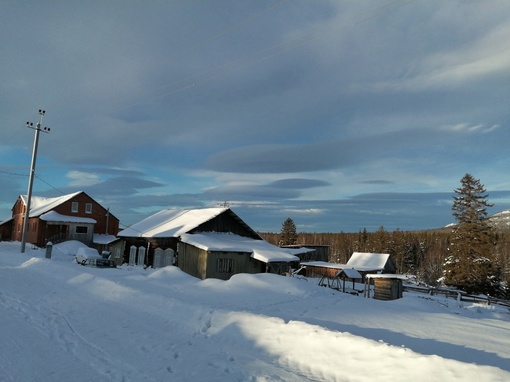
(470, 265)
(288, 235)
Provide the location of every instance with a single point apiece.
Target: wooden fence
(458, 295)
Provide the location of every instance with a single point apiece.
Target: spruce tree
(288, 235)
(470, 265)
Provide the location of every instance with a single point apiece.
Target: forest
(421, 253)
(472, 255)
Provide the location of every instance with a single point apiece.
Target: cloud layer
(340, 115)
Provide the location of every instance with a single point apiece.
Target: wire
(12, 173)
(48, 184)
(38, 177)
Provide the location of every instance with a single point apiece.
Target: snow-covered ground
(60, 321)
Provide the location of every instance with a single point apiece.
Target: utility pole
(37, 129)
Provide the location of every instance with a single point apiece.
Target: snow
(40, 205)
(361, 260)
(228, 242)
(387, 276)
(60, 321)
(84, 254)
(351, 273)
(171, 222)
(324, 264)
(53, 216)
(103, 239)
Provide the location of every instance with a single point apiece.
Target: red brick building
(69, 217)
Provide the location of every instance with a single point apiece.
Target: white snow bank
(61, 321)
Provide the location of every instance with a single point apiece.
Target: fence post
(49, 248)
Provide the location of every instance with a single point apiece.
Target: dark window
(81, 229)
(225, 265)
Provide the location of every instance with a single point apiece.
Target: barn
(206, 243)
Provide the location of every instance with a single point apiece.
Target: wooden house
(206, 243)
(69, 217)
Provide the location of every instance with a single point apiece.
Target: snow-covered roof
(323, 264)
(171, 222)
(387, 276)
(227, 242)
(39, 205)
(351, 273)
(365, 260)
(103, 239)
(6, 220)
(53, 216)
(297, 251)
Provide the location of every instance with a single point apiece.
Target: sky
(341, 115)
(61, 321)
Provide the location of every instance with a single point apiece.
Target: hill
(501, 220)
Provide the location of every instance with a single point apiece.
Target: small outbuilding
(320, 269)
(332, 275)
(367, 262)
(349, 274)
(221, 255)
(386, 286)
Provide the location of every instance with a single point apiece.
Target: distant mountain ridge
(501, 219)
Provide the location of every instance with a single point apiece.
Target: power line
(12, 173)
(38, 177)
(48, 184)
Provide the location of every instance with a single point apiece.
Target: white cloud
(82, 179)
(465, 127)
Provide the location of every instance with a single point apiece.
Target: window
(88, 208)
(81, 229)
(74, 207)
(225, 265)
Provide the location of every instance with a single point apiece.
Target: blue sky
(341, 115)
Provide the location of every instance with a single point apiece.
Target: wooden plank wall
(387, 289)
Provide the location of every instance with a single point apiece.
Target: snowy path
(60, 321)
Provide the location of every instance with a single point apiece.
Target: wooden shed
(320, 269)
(371, 263)
(386, 286)
(222, 255)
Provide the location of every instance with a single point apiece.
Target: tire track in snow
(60, 330)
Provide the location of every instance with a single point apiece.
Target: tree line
(472, 255)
